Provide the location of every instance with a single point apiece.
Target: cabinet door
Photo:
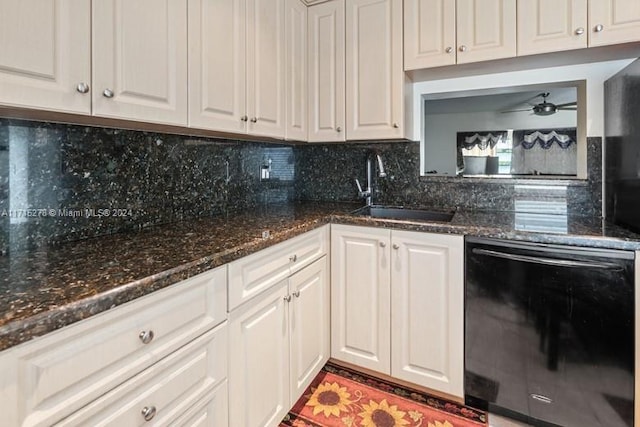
(613, 21)
(266, 71)
(429, 33)
(375, 74)
(217, 55)
(360, 292)
(140, 60)
(551, 25)
(326, 72)
(297, 84)
(45, 53)
(427, 302)
(310, 324)
(486, 29)
(259, 360)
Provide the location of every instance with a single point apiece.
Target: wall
(54, 178)
(590, 94)
(327, 172)
(594, 74)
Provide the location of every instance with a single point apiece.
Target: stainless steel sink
(404, 213)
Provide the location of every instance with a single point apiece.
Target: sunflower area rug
(340, 397)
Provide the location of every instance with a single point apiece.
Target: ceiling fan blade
(566, 104)
(567, 108)
(516, 111)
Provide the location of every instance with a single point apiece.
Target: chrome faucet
(368, 193)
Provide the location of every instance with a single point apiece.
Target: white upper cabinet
(430, 33)
(45, 54)
(486, 29)
(326, 72)
(447, 32)
(217, 55)
(140, 60)
(551, 25)
(237, 72)
(266, 55)
(296, 65)
(613, 21)
(375, 76)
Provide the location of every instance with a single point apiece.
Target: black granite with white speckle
(53, 176)
(184, 214)
(45, 289)
(328, 172)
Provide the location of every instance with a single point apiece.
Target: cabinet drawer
(212, 411)
(55, 375)
(166, 390)
(255, 273)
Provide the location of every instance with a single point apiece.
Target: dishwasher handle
(548, 261)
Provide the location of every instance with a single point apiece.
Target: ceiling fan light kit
(547, 108)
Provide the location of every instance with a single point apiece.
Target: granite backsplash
(328, 172)
(66, 182)
(63, 182)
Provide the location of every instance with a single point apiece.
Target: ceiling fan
(547, 108)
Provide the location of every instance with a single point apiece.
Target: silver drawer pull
(396, 246)
(148, 412)
(107, 93)
(293, 258)
(146, 337)
(287, 298)
(296, 294)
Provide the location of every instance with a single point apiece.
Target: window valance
(544, 138)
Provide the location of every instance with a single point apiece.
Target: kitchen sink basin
(404, 213)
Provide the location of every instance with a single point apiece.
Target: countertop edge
(24, 330)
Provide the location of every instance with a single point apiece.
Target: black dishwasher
(549, 333)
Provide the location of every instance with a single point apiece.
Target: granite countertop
(51, 287)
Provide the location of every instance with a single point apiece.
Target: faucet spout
(367, 194)
(381, 171)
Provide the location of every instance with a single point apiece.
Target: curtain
(480, 139)
(544, 152)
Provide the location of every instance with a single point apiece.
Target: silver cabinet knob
(338, 129)
(396, 246)
(82, 88)
(254, 119)
(293, 258)
(107, 93)
(148, 412)
(244, 118)
(462, 48)
(287, 298)
(296, 294)
(449, 49)
(146, 336)
(598, 28)
(383, 245)
(579, 31)
(395, 125)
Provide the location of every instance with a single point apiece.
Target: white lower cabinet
(160, 351)
(397, 304)
(166, 390)
(278, 342)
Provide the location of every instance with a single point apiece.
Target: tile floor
(498, 421)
